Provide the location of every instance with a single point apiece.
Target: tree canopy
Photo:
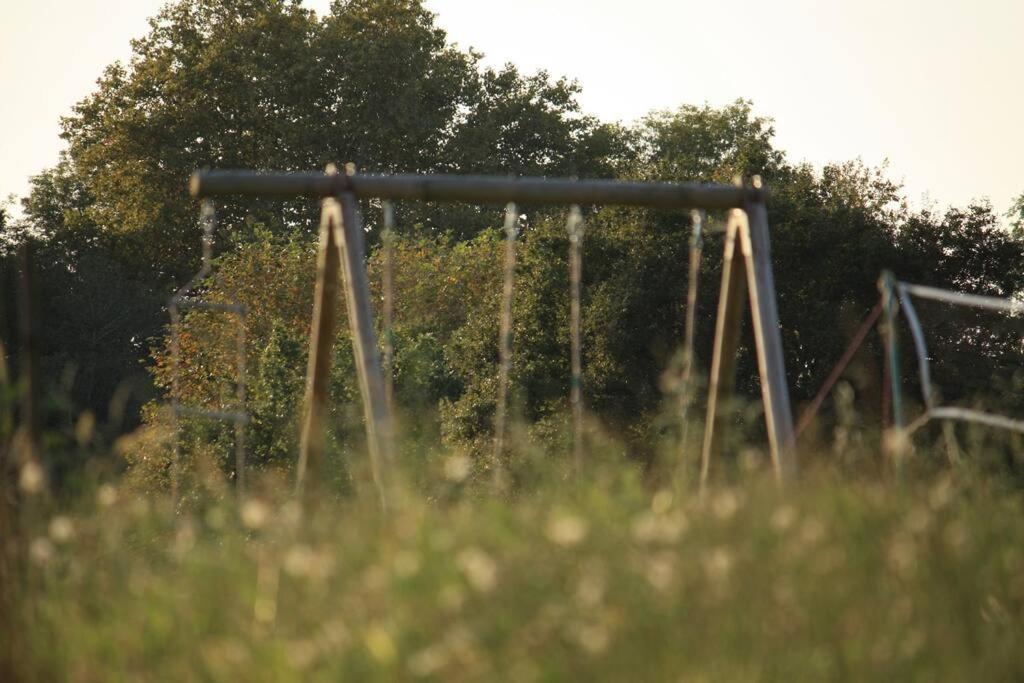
(267, 84)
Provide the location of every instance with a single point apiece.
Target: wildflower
(301, 653)
(812, 531)
(380, 644)
(725, 504)
(661, 502)
(479, 569)
(427, 661)
(593, 638)
(41, 550)
(451, 598)
(566, 530)
(184, 539)
(457, 467)
(956, 536)
(941, 493)
(660, 570)
(333, 634)
(61, 529)
(591, 589)
(255, 513)
(32, 478)
(406, 564)
(299, 560)
(718, 564)
(665, 528)
(106, 495)
(919, 519)
(902, 556)
(783, 518)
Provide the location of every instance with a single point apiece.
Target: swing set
(341, 258)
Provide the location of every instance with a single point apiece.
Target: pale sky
(932, 85)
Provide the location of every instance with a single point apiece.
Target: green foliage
(268, 84)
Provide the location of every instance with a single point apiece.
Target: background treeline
(266, 84)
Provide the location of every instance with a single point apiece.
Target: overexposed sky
(932, 85)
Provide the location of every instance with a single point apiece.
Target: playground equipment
(746, 267)
(182, 299)
(894, 290)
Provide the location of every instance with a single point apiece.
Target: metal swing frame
(342, 253)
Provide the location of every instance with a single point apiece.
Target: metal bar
(892, 355)
(771, 362)
(349, 237)
(474, 189)
(837, 372)
(920, 347)
(723, 355)
(991, 303)
(963, 414)
(575, 229)
(241, 389)
(505, 340)
(321, 338)
(388, 242)
(689, 338)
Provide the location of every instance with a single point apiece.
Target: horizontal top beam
(474, 189)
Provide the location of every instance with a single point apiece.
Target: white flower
(566, 530)
(478, 567)
(61, 529)
(255, 513)
(106, 495)
(32, 478)
(41, 550)
(457, 467)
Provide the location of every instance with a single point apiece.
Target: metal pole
(575, 228)
(505, 339)
(475, 189)
(893, 443)
(770, 359)
(240, 398)
(388, 242)
(886, 285)
(686, 380)
(352, 250)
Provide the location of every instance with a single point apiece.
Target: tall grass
(615, 577)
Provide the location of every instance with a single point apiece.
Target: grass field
(612, 578)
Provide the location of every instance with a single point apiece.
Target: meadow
(622, 574)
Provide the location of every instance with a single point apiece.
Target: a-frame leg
(351, 243)
(750, 228)
(768, 340)
(723, 357)
(321, 338)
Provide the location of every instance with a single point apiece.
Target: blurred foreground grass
(611, 579)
